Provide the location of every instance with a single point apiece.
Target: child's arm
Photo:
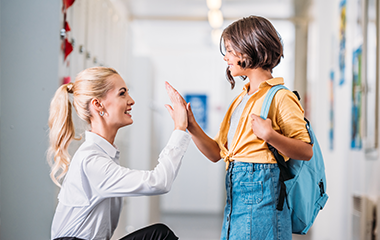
(290, 147)
(204, 143)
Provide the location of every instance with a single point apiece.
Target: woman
(252, 48)
(91, 193)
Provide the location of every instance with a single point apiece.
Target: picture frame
(371, 77)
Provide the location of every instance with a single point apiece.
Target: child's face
(232, 59)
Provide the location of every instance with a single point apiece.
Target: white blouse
(90, 199)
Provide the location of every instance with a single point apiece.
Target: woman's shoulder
(88, 151)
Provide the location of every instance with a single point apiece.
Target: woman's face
(117, 104)
(232, 59)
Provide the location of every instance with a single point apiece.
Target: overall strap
(284, 170)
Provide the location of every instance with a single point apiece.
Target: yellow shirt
(287, 117)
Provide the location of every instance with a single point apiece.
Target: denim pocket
(252, 192)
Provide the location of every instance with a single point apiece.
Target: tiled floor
(200, 226)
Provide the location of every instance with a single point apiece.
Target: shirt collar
(271, 82)
(107, 147)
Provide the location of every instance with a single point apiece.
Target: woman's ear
(96, 105)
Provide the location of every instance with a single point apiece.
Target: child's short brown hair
(256, 42)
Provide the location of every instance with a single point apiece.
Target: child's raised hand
(262, 128)
(190, 115)
(178, 112)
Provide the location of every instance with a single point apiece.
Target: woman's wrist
(182, 128)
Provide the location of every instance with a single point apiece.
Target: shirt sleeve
(112, 180)
(290, 116)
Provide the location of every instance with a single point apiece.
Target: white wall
(29, 46)
(350, 172)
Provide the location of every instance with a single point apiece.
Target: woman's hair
(255, 41)
(89, 84)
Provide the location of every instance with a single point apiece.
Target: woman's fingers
(170, 109)
(172, 92)
(178, 109)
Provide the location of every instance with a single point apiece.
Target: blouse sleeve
(290, 116)
(112, 180)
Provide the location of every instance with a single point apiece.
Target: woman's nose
(130, 101)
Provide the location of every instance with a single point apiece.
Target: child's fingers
(254, 116)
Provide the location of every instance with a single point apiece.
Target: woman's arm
(204, 143)
(112, 180)
(290, 147)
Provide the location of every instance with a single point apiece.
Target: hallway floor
(200, 226)
(194, 226)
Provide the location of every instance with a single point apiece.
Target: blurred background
(331, 59)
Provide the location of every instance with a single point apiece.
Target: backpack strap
(284, 170)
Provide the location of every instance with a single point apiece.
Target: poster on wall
(371, 78)
(342, 41)
(356, 134)
(198, 103)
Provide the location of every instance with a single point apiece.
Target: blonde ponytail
(61, 132)
(89, 84)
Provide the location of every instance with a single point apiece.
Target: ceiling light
(215, 18)
(214, 4)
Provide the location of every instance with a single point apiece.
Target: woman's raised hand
(178, 112)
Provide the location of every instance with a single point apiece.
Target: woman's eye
(122, 93)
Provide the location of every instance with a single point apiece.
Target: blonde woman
(94, 183)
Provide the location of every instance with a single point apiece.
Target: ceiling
(196, 10)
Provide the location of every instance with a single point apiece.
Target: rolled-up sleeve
(290, 116)
(112, 180)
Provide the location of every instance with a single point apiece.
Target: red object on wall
(68, 48)
(67, 4)
(66, 80)
(67, 27)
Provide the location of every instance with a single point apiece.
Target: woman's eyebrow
(123, 88)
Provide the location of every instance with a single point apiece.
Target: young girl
(91, 194)
(252, 49)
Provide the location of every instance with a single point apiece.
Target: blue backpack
(303, 183)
